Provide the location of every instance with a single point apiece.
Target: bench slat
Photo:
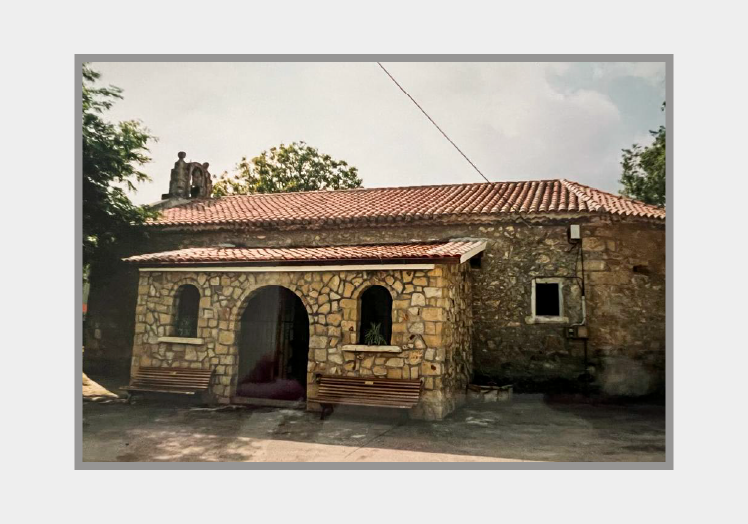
(364, 400)
(349, 391)
(154, 390)
(377, 387)
(348, 400)
(170, 380)
(175, 384)
(374, 404)
(167, 377)
(344, 395)
(379, 383)
(382, 391)
(181, 372)
(373, 387)
(173, 379)
(167, 371)
(368, 391)
(171, 371)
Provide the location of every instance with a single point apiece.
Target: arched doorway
(273, 346)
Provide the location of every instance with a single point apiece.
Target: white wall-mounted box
(574, 232)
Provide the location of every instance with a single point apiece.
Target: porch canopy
(449, 252)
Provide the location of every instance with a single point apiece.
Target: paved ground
(525, 429)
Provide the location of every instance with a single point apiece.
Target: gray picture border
(78, 119)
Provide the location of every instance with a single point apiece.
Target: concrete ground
(524, 429)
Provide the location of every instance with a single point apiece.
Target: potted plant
(186, 327)
(373, 337)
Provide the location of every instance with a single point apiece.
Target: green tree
(287, 169)
(643, 175)
(112, 156)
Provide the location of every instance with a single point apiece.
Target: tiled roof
(456, 203)
(458, 250)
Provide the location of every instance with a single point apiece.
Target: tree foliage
(287, 169)
(112, 156)
(643, 175)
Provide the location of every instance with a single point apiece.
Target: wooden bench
(366, 391)
(170, 380)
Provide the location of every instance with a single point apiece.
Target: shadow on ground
(527, 428)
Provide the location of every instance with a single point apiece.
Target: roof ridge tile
(388, 205)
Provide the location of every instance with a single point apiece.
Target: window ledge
(182, 340)
(547, 320)
(372, 349)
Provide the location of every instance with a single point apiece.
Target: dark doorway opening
(273, 346)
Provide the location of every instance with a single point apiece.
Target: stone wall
(430, 326)
(625, 309)
(625, 267)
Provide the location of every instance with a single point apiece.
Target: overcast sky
(516, 121)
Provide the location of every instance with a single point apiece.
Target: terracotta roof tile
(460, 202)
(455, 249)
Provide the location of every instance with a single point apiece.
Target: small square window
(547, 303)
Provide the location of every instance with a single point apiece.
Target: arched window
(188, 305)
(376, 317)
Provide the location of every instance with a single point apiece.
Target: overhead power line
(432, 121)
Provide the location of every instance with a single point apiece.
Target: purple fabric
(280, 389)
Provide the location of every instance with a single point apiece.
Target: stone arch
(373, 280)
(173, 286)
(241, 303)
(271, 326)
(171, 290)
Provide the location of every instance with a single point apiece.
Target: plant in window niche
(373, 337)
(186, 327)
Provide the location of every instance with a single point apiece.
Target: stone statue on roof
(189, 180)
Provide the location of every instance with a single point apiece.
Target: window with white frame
(547, 300)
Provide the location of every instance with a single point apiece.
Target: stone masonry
(431, 326)
(624, 272)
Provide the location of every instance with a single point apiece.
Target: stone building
(551, 286)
